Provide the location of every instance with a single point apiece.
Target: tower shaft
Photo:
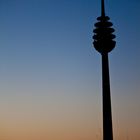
(107, 115)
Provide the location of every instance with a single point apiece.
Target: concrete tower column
(107, 115)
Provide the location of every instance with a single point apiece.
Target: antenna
(102, 8)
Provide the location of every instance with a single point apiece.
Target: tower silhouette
(104, 43)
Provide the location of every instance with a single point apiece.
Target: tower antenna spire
(102, 8)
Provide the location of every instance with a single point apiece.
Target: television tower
(104, 43)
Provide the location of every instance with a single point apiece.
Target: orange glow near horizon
(71, 124)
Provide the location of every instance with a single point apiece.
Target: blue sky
(47, 63)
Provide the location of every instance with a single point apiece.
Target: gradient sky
(50, 75)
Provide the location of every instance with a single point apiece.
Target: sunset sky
(50, 75)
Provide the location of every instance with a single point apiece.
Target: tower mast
(102, 8)
(104, 43)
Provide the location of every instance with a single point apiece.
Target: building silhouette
(104, 43)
